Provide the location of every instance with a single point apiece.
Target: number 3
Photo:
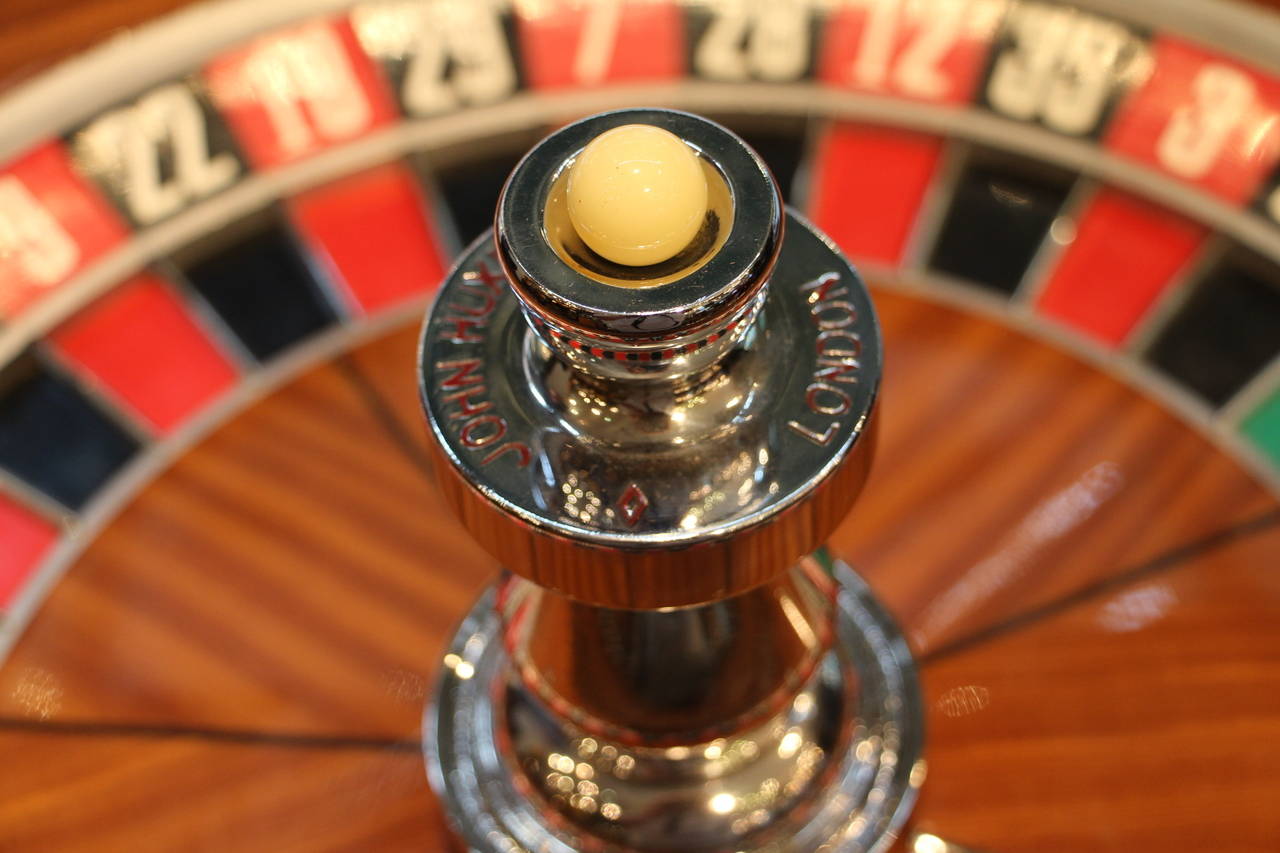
(44, 251)
(1196, 134)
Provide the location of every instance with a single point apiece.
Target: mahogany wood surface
(35, 34)
(240, 661)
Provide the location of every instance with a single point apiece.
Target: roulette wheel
(230, 575)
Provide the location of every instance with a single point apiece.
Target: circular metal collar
(555, 292)
(873, 774)
(639, 495)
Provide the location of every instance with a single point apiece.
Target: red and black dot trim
(650, 356)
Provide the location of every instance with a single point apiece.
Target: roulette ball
(232, 564)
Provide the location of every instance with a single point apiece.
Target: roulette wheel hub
(227, 569)
(652, 451)
(838, 768)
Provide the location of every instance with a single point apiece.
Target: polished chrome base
(837, 770)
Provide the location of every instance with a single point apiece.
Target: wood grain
(296, 573)
(131, 795)
(239, 662)
(36, 34)
(1009, 473)
(1146, 719)
(272, 608)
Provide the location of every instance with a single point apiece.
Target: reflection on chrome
(663, 670)
(680, 676)
(722, 803)
(615, 734)
(460, 667)
(648, 421)
(728, 772)
(619, 791)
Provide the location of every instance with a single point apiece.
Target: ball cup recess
(656, 454)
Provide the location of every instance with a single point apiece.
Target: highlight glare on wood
(240, 661)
